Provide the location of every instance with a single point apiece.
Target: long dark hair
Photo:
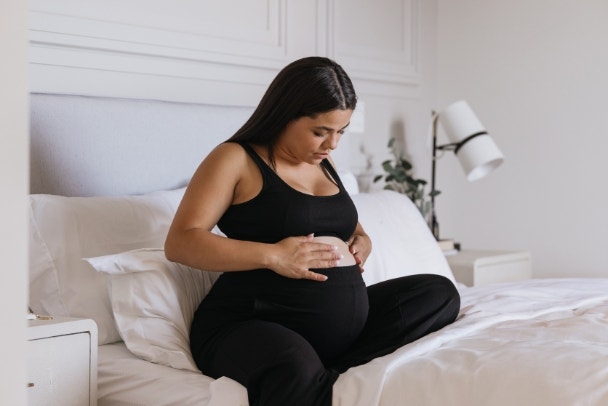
(304, 88)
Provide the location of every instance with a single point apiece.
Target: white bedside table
(62, 362)
(481, 267)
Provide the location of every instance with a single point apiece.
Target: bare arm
(360, 245)
(222, 179)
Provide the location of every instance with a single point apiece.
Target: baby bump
(329, 314)
(342, 248)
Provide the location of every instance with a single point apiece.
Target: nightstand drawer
(58, 370)
(480, 267)
(62, 362)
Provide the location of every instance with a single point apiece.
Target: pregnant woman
(291, 311)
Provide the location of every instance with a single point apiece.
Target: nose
(332, 141)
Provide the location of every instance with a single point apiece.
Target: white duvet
(538, 342)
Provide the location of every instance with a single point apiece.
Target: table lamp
(476, 151)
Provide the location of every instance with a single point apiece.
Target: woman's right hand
(295, 256)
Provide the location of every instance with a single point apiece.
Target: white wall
(204, 52)
(533, 71)
(13, 216)
(404, 114)
(536, 73)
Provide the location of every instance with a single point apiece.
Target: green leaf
(405, 164)
(387, 166)
(399, 179)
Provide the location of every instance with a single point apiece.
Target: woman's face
(311, 140)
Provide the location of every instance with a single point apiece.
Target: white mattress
(526, 343)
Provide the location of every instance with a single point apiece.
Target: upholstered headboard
(84, 146)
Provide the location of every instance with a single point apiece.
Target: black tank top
(279, 211)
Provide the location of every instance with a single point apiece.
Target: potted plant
(398, 177)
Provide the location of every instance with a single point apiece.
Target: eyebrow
(325, 128)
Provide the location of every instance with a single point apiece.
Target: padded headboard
(92, 146)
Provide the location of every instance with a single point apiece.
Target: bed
(106, 176)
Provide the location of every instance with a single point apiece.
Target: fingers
(354, 250)
(315, 276)
(360, 248)
(325, 256)
(322, 255)
(352, 245)
(298, 255)
(357, 245)
(359, 262)
(331, 261)
(321, 246)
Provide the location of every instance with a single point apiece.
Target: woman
(291, 311)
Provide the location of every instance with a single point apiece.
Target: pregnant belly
(347, 258)
(330, 314)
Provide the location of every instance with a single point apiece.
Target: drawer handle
(30, 384)
(33, 316)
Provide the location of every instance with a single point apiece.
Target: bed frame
(141, 145)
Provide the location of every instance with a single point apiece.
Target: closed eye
(325, 130)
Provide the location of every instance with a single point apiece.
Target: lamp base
(448, 246)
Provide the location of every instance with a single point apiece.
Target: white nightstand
(480, 267)
(62, 362)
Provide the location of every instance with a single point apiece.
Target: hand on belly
(347, 258)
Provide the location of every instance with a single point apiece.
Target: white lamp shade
(479, 155)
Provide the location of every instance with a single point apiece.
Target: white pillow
(402, 243)
(349, 180)
(154, 301)
(63, 230)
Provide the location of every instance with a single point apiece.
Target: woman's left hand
(360, 246)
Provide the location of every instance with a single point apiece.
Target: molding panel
(199, 31)
(389, 54)
(217, 51)
(194, 41)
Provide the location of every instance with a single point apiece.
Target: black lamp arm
(433, 224)
(455, 146)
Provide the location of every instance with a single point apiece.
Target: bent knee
(446, 296)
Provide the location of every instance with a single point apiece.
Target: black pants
(287, 340)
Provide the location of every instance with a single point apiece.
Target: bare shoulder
(227, 156)
(214, 182)
(227, 174)
(227, 151)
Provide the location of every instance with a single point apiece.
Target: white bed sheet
(535, 342)
(125, 380)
